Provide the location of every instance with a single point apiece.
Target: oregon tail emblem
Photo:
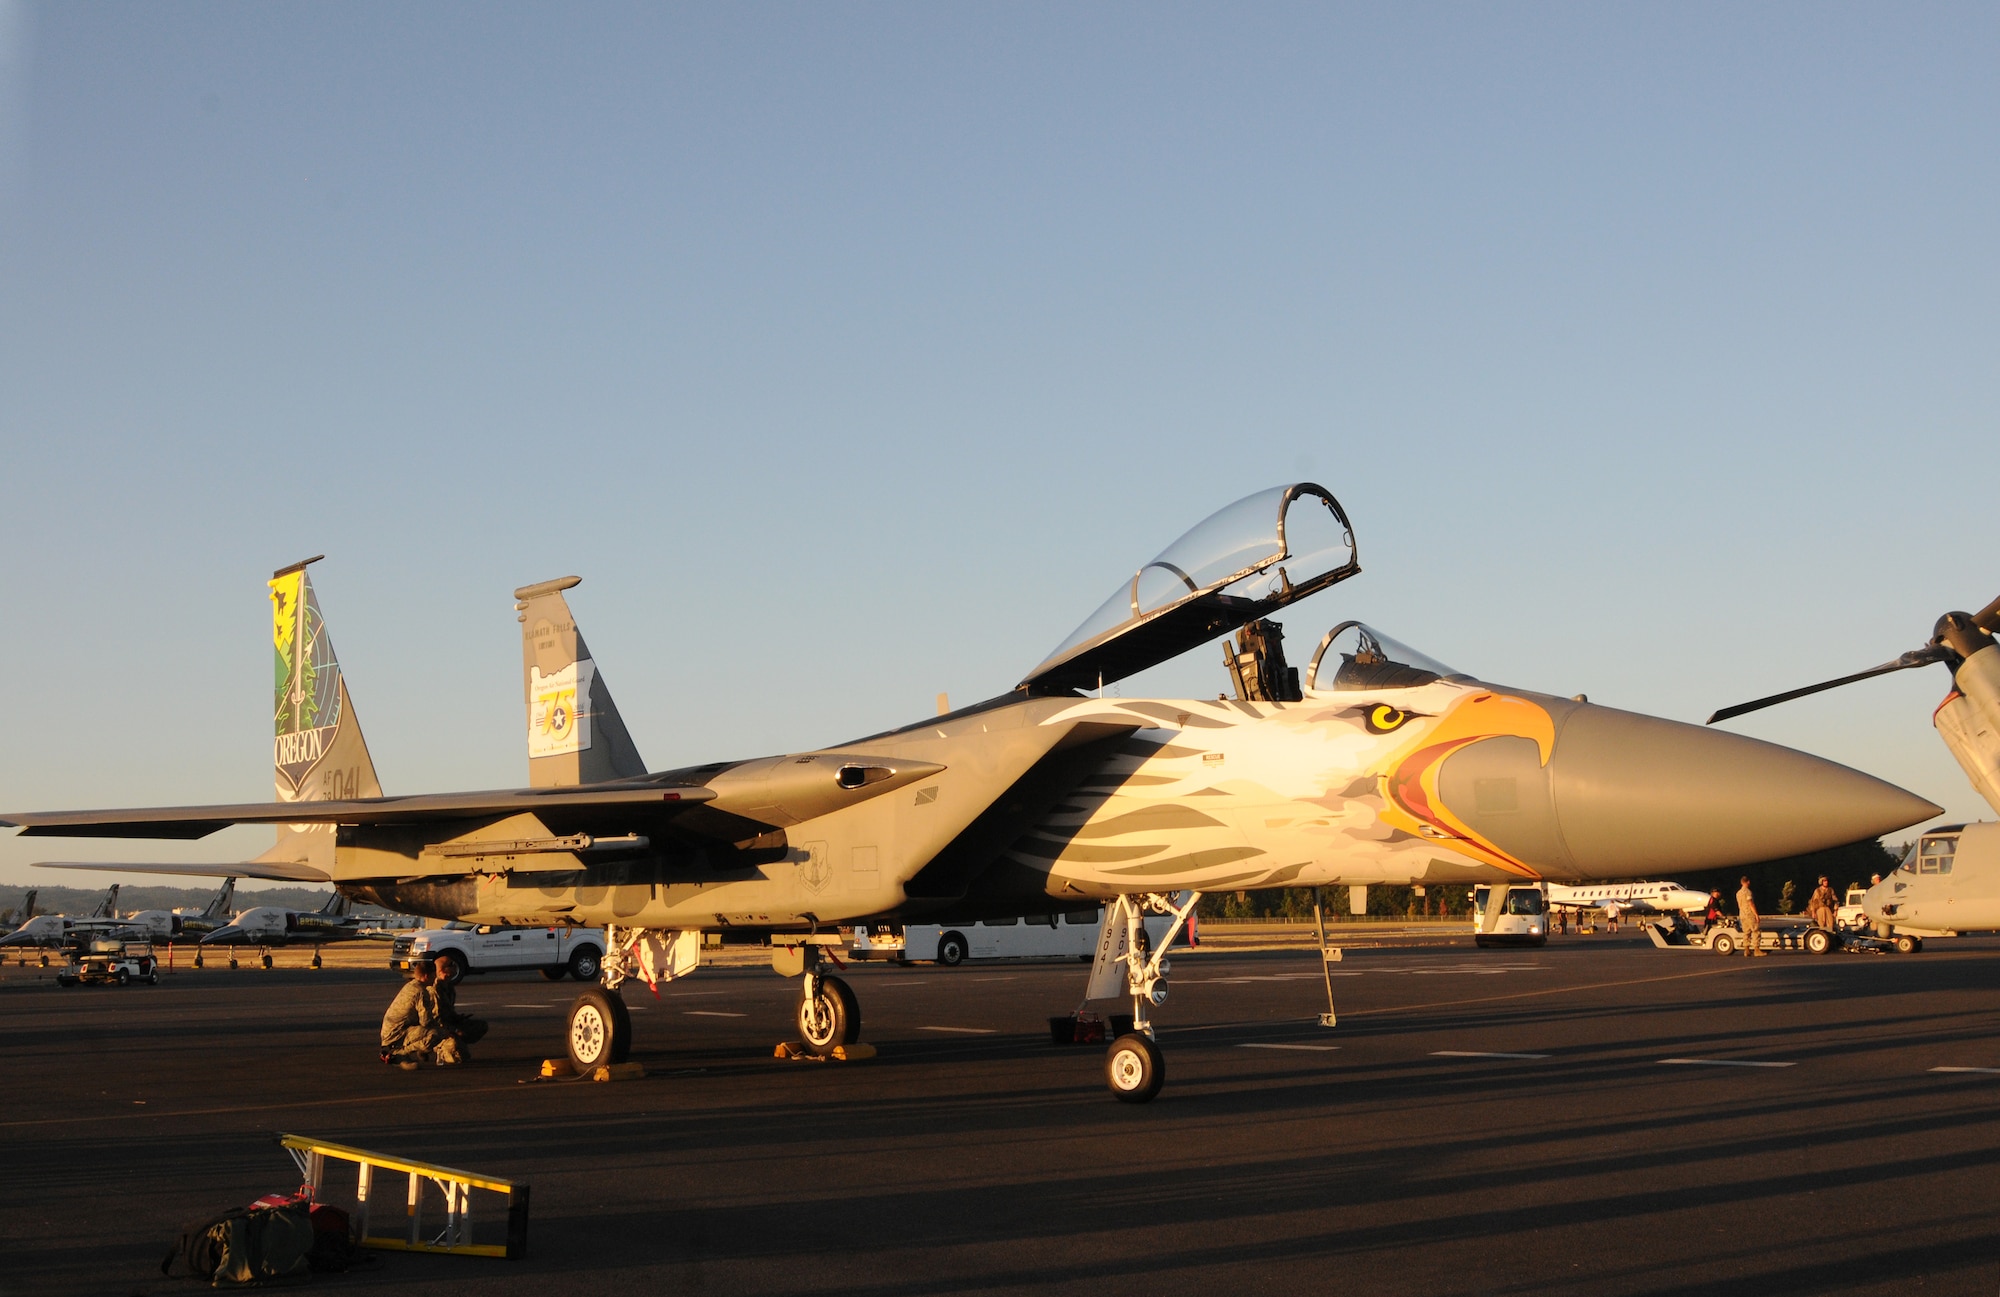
(308, 696)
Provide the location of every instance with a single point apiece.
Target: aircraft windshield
(1356, 656)
(1934, 854)
(1270, 547)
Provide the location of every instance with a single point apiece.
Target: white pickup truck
(461, 948)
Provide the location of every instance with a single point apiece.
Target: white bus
(1517, 917)
(1035, 936)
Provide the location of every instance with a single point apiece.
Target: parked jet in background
(1381, 766)
(274, 925)
(54, 929)
(189, 925)
(1628, 898)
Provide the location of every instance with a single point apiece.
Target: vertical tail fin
(218, 905)
(337, 906)
(575, 735)
(318, 751)
(28, 905)
(108, 907)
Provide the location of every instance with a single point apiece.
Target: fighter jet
(56, 929)
(273, 925)
(1949, 882)
(1380, 765)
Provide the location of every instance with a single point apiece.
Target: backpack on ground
(246, 1247)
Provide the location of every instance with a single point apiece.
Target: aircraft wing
(275, 870)
(199, 821)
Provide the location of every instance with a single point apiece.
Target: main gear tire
(830, 1018)
(599, 1030)
(1134, 1068)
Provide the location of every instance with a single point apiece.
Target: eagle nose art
(1625, 795)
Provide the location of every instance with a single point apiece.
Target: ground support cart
(104, 961)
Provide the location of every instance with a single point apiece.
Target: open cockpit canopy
(1357, 656)
(1244, 562)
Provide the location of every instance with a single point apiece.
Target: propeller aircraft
(1949, 882)
(1376, 765)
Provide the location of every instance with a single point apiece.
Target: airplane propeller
(1956, 635)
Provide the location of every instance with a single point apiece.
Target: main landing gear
(1134, 1068)
(599, 1031)
(599, 1027)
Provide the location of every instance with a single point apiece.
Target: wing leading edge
(188, 822)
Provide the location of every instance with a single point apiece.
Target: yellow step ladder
(455, 1236)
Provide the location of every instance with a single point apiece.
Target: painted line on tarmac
(1524, 995)
(1272, 1044)
(301, 1105)
(712, 1013)
(1988, 1071)
(1479, 1053)
(1720, 1062)
(522, 1006)
(961, 1031)
(1259, 977)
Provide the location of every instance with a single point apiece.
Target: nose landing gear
(829, 1013)
(1134, 1067)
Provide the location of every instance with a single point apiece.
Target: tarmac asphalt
(1593, 1117)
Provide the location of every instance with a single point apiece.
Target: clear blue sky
(851, 353)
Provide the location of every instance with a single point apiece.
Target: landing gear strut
(1134, 1068)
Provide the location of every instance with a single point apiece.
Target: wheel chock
(794, 1052)
(1076, 1029)
(618, 1072)
(556, 1068)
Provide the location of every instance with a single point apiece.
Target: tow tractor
(1780, 933)
(104, 961)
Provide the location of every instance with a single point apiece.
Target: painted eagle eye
(1382, 718)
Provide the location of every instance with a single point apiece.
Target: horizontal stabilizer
(278, 871)
(200, 821)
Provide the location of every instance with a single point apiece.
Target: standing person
(1824, 903)
(1746, 914)
(1713, 914)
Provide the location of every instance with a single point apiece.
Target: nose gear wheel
(829, 1015)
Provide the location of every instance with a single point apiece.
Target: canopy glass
(1357, 656)
(1251, 558)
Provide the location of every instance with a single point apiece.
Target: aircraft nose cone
(223, 936)
(1634, 794)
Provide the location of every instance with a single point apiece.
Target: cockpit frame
(1149, 636)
